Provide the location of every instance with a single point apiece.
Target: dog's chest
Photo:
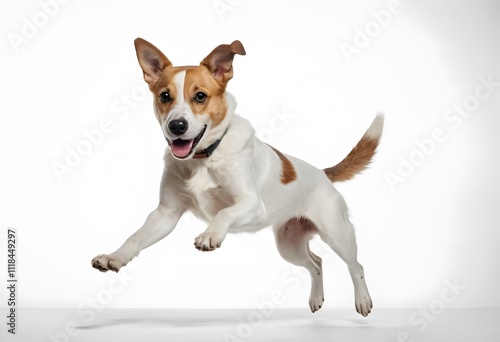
(207, 193)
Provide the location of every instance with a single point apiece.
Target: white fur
(181, 110)
(179, 84)
(239, 189)
(375, 129)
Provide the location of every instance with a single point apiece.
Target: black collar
(207, 152)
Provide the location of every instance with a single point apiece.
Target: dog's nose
(178, 127)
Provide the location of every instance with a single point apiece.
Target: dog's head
(189, 101)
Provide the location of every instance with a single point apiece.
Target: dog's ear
(220, 61)
(152, 60)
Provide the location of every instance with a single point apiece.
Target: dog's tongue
(181, 148)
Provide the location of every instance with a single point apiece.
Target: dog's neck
(207, 152)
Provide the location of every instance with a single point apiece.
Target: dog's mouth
(183, 148)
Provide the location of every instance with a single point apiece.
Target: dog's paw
(316, 301)
(364, 304)
(208, 241)
(104, 263)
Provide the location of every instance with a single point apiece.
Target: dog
(218, 169)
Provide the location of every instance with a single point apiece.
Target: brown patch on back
(288, 173)
(356, 161)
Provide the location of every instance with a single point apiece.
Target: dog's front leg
(157, 226)
(245, 212)
(248, 210)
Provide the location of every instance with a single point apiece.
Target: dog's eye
(165, 97)
(200, 97)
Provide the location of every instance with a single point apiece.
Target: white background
(438, 225)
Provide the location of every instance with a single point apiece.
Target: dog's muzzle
(178, 127)
(182, 148)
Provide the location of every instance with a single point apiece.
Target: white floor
(124, 325)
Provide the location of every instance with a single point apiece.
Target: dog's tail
(360, 156)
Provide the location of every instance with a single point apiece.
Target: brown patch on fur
(197, 80)
(288, 173)
(296, 230)
(356, 161)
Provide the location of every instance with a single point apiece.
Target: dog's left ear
(153, 62)
(220, 61)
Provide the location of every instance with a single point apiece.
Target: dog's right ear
(152, 61)
(220, 61)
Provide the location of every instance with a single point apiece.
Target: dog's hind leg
(292, 240)
(338, 232)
